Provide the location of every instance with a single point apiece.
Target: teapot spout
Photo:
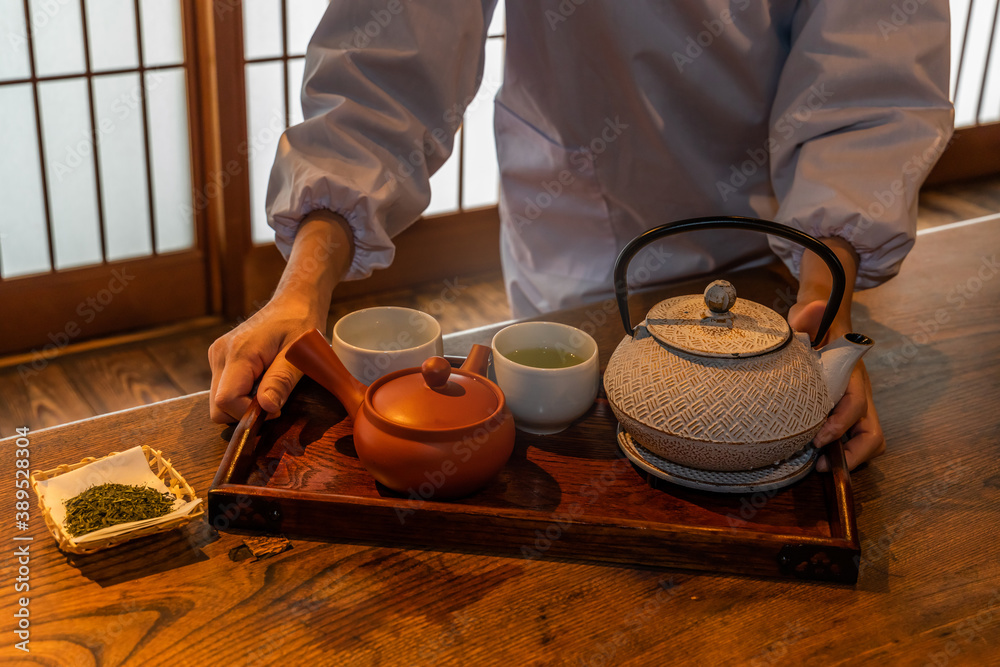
(478, 360)
(838, 360)
(312, 354)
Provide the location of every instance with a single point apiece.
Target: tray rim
(234, 504)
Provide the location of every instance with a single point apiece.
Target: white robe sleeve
(861, 114)
(384, 90)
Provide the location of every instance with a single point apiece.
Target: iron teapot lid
(731, 222)
(717, 324)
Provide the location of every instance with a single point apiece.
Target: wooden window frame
(974, 151)
(53, 308)
(461, 243)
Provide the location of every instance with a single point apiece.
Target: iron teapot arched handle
(731, 222)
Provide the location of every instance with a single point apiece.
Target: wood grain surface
(569, 495)
(928, 513)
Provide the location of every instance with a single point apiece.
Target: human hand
(855, 413)
(253, 349)
(320, 256)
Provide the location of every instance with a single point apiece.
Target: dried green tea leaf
(111, 504)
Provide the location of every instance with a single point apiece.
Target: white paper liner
(129, 467)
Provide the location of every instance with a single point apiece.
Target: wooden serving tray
(572, 495)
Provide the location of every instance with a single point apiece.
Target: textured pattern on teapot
(743, 401)
(747, 329)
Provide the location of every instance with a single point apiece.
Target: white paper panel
(991, 93)
(959, 14)
(974, 63)
(69, 165)
(57, 30)
(303, 17)
(265, 123)
(171, 160)
(481, 174)
(262, 28)
(13, 41)
(162, 42)
(123, 166)
(23, 237)
(296, 68)
(111, 27)
(444, 184)
(499, 23)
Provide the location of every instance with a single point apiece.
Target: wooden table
(928, 513)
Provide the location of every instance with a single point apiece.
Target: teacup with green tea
(549, 373)
(545, 357)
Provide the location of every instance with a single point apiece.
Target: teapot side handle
(731, 222)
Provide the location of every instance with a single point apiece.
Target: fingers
(277, 383)
(866, 443)
(864, 447)
(848, 411)
(217, 362)
(806, 317)
(232, 397)
(252, 351)
(234, 372)
(866, 437)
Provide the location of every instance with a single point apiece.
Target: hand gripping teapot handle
(731, 222)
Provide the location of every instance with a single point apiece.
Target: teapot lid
(434, 397)
(716, 324)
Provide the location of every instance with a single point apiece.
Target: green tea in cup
(544, 357)
(549, 374)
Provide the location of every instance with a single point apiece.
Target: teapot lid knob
(720, 296)
(436, 371)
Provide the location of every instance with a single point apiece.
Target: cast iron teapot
(714, 382)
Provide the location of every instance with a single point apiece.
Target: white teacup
(377, 341)
(546, 400)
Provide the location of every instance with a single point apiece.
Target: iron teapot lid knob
(720, 296)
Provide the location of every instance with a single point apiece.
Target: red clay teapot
(434, 431)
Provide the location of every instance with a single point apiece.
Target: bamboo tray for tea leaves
(160, 467)
(572, 495)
